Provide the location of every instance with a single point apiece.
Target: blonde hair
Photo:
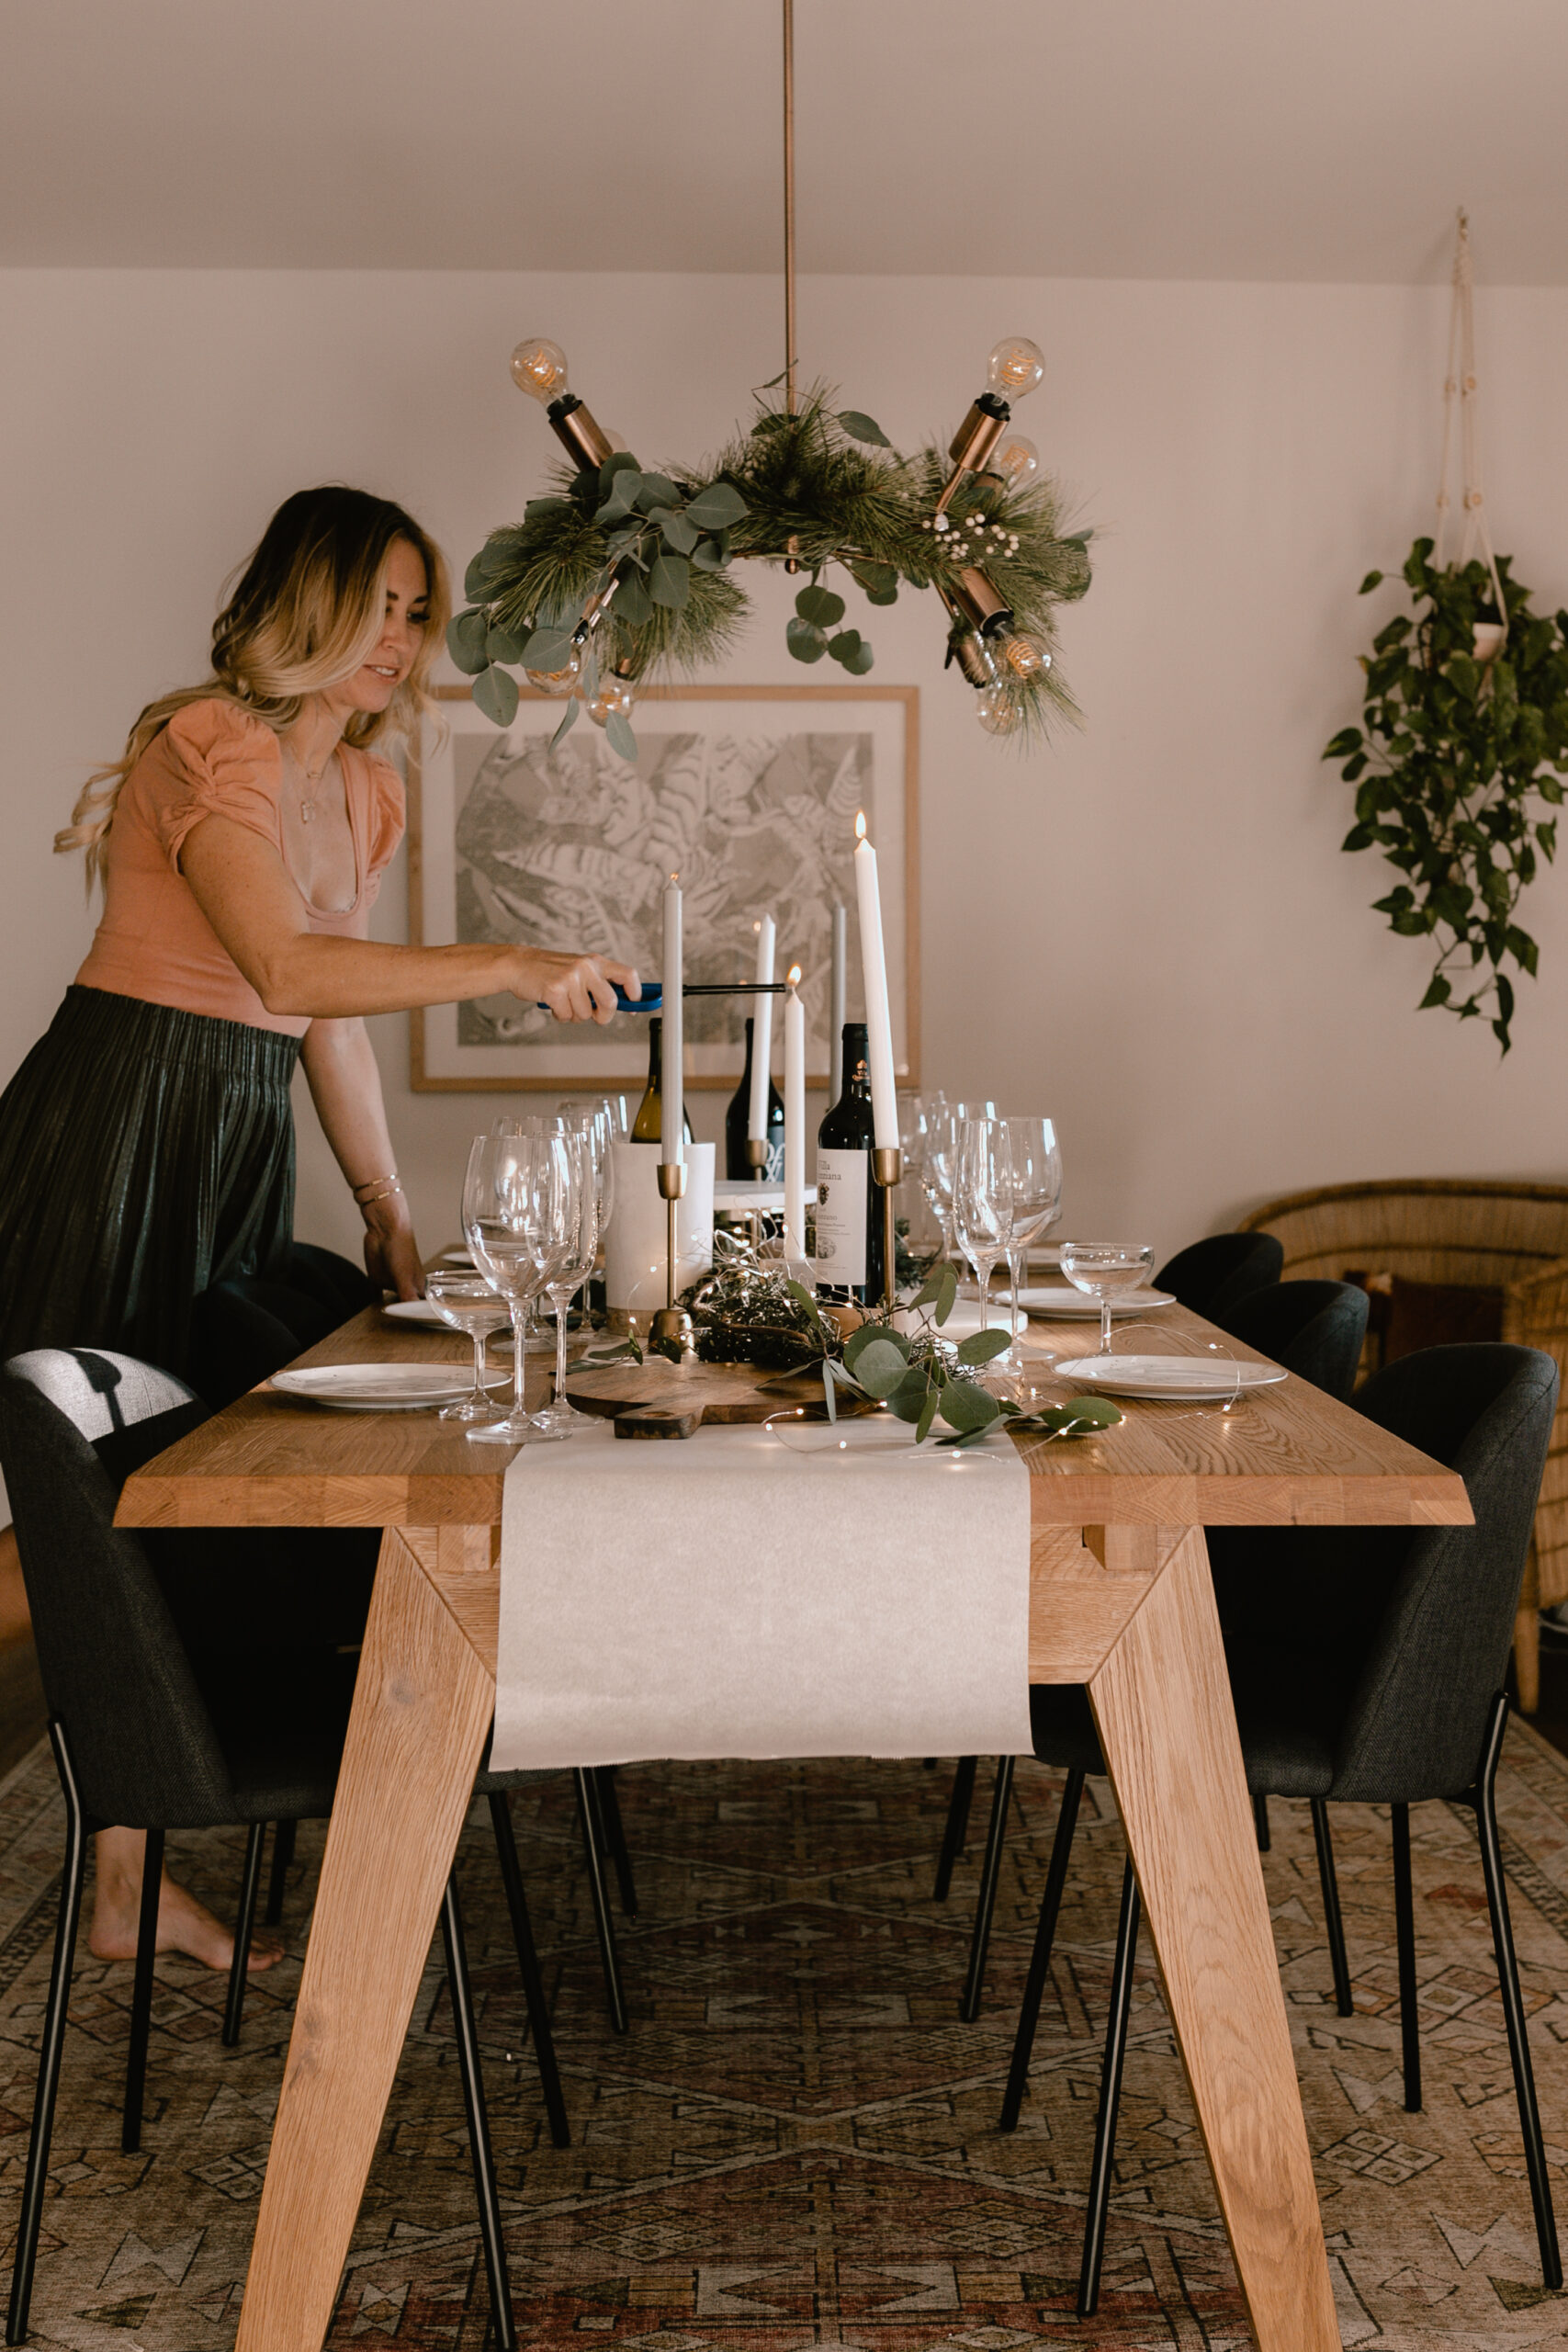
(309, 610)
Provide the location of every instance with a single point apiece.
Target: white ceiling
(1226, 139)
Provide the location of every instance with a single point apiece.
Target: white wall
(1148, 932)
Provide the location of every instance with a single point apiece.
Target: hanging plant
(620, 573)
(1461, 746)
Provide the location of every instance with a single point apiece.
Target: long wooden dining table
(1121, 1601)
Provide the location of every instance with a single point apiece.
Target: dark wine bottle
(738, 1168)
(848, 1199)
(647, 1126)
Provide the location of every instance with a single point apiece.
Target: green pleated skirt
(144, 1153)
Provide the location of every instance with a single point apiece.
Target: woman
(146, 1143)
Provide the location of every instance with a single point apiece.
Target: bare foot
(184, 1924)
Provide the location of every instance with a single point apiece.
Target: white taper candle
(671, 1098)
(761, 1035)
(878, 1019)
(795, 1122)
(838, 1004)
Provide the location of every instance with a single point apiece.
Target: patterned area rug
(795, 2143)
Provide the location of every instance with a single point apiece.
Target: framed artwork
(749, 793)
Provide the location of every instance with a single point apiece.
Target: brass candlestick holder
(888, 1167)
(671, 1326)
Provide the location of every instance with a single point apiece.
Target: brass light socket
(979, 602)
(977, 436)
(579, 434)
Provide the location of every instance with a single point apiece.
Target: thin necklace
(307, 797)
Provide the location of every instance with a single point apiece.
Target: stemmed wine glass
(1103, 1270)
(982, 1200)
(467, 1303)
(571, 1217)
(1035, 1165)
(511, 1221)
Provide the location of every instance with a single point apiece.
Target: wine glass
(982, 1200)
(1103, 1270)
(467, 1303)
(572, 1223)
(1035, 1173)
(596, 1120)
(507, 1220)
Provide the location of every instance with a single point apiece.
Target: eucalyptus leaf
(502, 644)
(607, 1351)
(908, 1400)
(805, 639)
(548, 650)
(619, 736)
(948, 1298)
(965, 1406)
(829, 1397)
(858, 663)
(717, 508)
(495, 692)
(623, 493)
(568, 721)
(981, 1346)
(880, 1367)
(869, 1335)
(861, 427)
(633, 603)
(670, 581)
(802, 1298)
(821, 607)
(465, 636)
(711, 555)
(927, 1415)
(619, 461)
(657, 490)
(539, 510)
(676, 530)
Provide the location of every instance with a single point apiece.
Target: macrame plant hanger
(1460, 385)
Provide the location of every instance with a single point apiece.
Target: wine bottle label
(773, 1171)
(842, 1186)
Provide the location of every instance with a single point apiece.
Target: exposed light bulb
(1016, 459)
(609, 699)
(538, 368)
(558, 682)
(1015, 368)
(996, 711)
(1027, 657)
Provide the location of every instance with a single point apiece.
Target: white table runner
(724, 1596)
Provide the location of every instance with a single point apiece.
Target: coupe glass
(1035, 1174)
(1103, 1270)
(572, 1220)
(509, 1222)
(466, 1301)
(982, 1200)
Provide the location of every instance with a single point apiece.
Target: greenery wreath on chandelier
(1465, 734)
(619, 574)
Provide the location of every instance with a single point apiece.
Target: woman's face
(375, 681)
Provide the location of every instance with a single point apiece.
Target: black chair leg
(1260, 1820)
(1109, 2099)
(1328, 1880)
(282, 1859)
(1513, 2005)
(616, 1837)
(604, 1926)
(529, 1969)
(1039, 1958)
(501, 2318)
(141, 1993)
(985, 1908)
(66, 1923)
(1405, 1937)
(952, 1836)
(244, 1928)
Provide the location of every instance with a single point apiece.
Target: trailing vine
(1456, 753)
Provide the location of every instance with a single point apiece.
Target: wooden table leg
(1162, 1703)
(422, 1708)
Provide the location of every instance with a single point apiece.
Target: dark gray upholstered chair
(1315, 1330)
(1214, 1275)
(142, 1740)
(1366, 1666)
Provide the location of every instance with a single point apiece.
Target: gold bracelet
(379, 1188)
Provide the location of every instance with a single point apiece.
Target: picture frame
(749, 792)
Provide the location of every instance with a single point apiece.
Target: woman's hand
(576, 988)
(392, 1253)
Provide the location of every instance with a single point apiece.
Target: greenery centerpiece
(1464, 736)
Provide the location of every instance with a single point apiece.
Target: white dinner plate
(1196, 1379)
(378, 1388)
(456, 1257)
(414, 1310)
(1059, 1300)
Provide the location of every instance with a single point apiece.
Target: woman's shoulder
(212, 759)
(217, 732)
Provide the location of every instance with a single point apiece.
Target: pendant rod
(789, 203)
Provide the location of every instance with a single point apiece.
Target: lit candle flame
(795, 976)
(859, 824)
(757, 926)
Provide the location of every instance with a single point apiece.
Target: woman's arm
(245, 891)
(345, 1087)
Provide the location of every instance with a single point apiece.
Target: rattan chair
(1506, 1238)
